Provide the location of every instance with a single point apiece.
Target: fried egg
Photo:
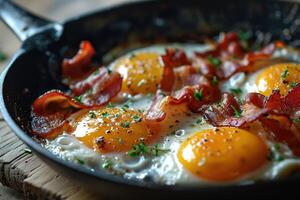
(184, 149)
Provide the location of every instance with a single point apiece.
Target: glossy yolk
(111, 129)
(279, 76)
(141, 72)
(222, 154)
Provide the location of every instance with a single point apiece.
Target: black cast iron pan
(35, 69)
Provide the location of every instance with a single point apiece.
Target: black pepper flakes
(100, 141)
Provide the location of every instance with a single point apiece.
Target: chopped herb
(293, 84)
(80, 161)
(109, 71)
(297, 120)
(199, 121)
(214, 61)
(277, 147)
(125, 106)
(240, 101)
(156, 151)
(215, 80)
(3, 57)
(110, 105)
(92, 114)
(107, 164)
(285, 73)
(244, 36)
(138, 150)
(126, 125)
(137, 118)
(237, 113)
(96, 71)
(78, 98)
(274, 153)
(141, 149)
(209, 109)
(198, 94)
(26, 150)
(236, 91)
(105, 114)
(162, 94)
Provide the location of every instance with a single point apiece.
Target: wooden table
(19, 168)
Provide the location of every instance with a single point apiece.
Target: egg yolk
(280, 77)
(222, 154)
(111, 129)
(141, 72)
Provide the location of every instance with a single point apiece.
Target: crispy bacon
(54, 101)
(255, 105)
(258, 107)
(49, 126)
(100, 90)
(155, 112)
(173, 58)
(80, 65)
(233, 58)
(49, 113)
(50, 110)
(225, 113)
(281, 133)
(208, 94)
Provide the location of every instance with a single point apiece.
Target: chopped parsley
(126, 125)
(156, 151)
(80, 161)
(244, 36)
(78, 98)
(236, 91)
(92, 114)
(137, 118)
(109, 71)
(199, 121)
(3, 57)
(237, 113)
(26, 150)
(214, 61)
(141, 149)
(285, 73)
(105, 114)
(198, 94)
(96, 71)
(215, 80)
(107, 164)
(293, 84)
(297, 120)
(274, 153)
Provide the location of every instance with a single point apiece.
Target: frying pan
(34, 69)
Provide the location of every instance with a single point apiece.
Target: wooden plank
(26, 173)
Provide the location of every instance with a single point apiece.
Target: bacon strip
(49, 111)
(173, 58)
(209, 94)
(80, 65)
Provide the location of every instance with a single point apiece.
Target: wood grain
(25, 172)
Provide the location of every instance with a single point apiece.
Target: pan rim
(105, 177)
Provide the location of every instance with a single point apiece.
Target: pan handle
(21, 22)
